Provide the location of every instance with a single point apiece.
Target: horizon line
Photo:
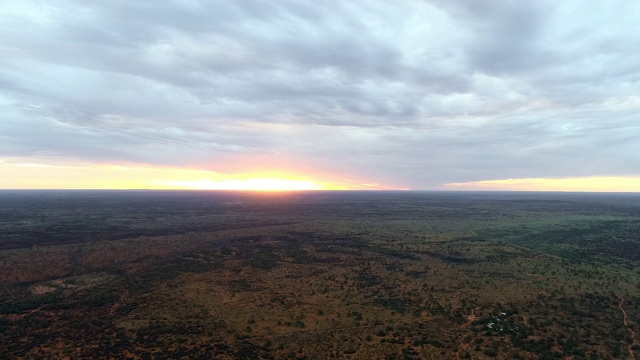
(331, 190)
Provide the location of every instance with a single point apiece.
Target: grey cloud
(416, 93)
(506, 34)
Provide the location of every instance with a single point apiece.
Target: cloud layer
(407, 93)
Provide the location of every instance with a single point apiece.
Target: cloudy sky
(431, 94)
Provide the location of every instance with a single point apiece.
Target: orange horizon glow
(577, 184)
(42, 175)
(250, 184)
(26, 175)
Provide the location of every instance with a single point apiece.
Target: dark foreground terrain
(316, 275)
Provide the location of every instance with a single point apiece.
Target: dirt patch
(42, 289)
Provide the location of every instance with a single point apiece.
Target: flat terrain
(317, 275)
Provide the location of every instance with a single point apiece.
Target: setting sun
(252, 184)
(18, 174)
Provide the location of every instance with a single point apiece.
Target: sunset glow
(596, 184)
(23, 175)
(253, 184)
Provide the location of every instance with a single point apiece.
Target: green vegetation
(397, 275)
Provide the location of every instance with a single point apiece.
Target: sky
(283, 94)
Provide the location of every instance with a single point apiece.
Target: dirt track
(626, 324)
